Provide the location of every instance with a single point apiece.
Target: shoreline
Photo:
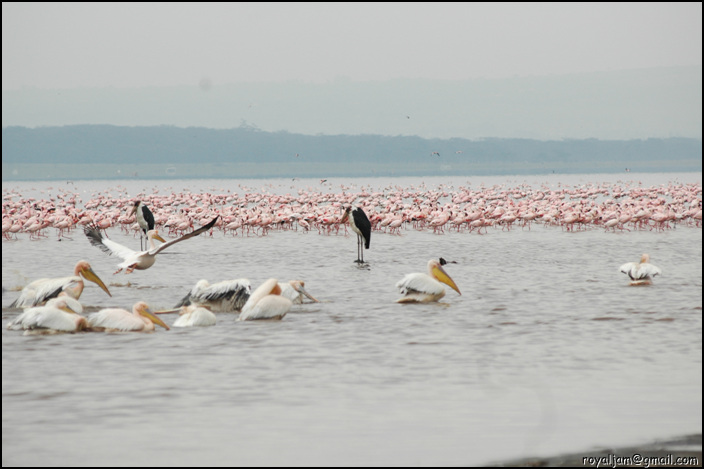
(658, 453)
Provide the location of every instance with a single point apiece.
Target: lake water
(548, 349)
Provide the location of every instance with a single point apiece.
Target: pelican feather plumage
(58, 314)
(225, 296)
(266, 302)
(194, 316)
(426, 288)
(40, 291)
(641, 273)
(139, 260)
(141, 319)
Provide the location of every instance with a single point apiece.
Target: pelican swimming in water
(641, 273)
(295, 291)
(139, 260)
(57, 315)
(225, 296)
(141, 319)
(426, 288)
(44, 289)
(194, 316)
(266, 303)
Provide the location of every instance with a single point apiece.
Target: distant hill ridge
(168, 145)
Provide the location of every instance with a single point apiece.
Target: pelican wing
(47, 317)
(115, 318)
(269, 307)
(640, 271)
(107, 245)
(193, 233)
(42, 290)
(228, 295)
(419, 283)
(195, 317)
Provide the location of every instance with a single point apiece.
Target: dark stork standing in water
(145, 220)
(360, 224)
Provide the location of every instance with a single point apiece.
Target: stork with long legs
(145, 220)
(361, 225)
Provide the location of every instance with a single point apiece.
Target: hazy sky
(67, 45)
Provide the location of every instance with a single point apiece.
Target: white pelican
(641, 273)
(193, 316)
(266, 303)
(360, 224)
(141, 319)
(295, 291)
(57, 315)
(39, 291)
(225, 296)
(144, 217)
(138, 260)
(424, 288)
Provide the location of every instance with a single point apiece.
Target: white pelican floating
(56, 315)
(144, 217)
(194, 316)
(225, 296)
(361, 225)
(44, 289)
(641, 273)
(141, 319)
(266, 303)
(295, 291)
(133, 259)
(426, 288)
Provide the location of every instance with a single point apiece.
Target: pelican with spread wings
(139, 260)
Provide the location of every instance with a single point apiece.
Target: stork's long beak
(147, 313)
(93, 277)
(443, 277)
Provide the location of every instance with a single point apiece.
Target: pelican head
(299, 286)
(439, 274)
(72, 304)
(154, 234)
(144, 310)
(645, 258)
(84, 269)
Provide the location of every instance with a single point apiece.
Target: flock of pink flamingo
(617, 206)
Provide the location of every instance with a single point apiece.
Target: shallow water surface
(547, 350)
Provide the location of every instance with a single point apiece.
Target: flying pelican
(360, 224)
(145, 219)
(39, 291)
(424, 288)
(641, 273)
(266, 303)
(295, 291)
(141, 319)
(138, 260)
(57, 315)
(225, 296)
